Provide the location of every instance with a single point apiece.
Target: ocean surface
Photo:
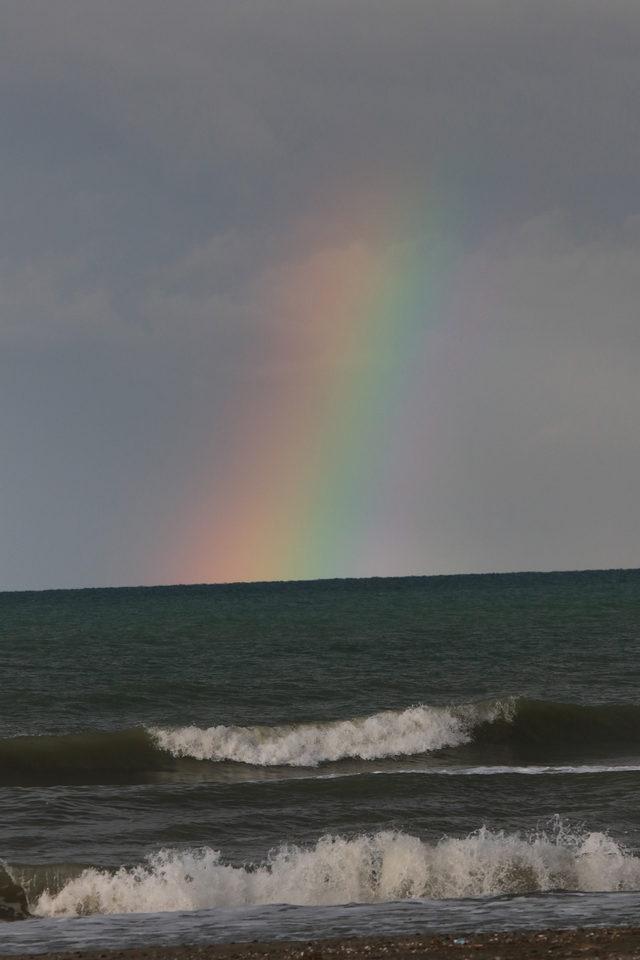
(255, 761)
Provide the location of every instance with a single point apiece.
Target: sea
(194, 764)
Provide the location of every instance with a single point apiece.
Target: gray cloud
(158, 163)
(541, 460)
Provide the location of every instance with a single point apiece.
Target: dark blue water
(395, 745)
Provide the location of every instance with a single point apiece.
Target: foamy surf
(490, 770)
(416, 730)
(532, 770)
(386, 866)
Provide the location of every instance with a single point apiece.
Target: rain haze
(317, 289)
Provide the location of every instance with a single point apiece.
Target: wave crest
(365, 869)
(511, 732)
(392, 733)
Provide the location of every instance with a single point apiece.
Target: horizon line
(250, 583)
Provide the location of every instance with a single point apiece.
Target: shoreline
(590, 943)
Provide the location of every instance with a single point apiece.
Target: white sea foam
(365, 869)
(416, 730)
(532, 770)
(489, 770)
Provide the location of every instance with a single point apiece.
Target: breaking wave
(365, 869)
(392, 733)
(507, 733)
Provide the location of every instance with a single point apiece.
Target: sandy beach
(610, 942)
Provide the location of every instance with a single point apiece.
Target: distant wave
(364, 869)
(497, 736)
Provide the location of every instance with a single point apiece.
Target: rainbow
(298, 496)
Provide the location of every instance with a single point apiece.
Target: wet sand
(609, 943)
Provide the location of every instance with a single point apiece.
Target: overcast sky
(167, 165)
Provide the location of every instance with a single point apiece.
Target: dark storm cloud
(156, 158)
